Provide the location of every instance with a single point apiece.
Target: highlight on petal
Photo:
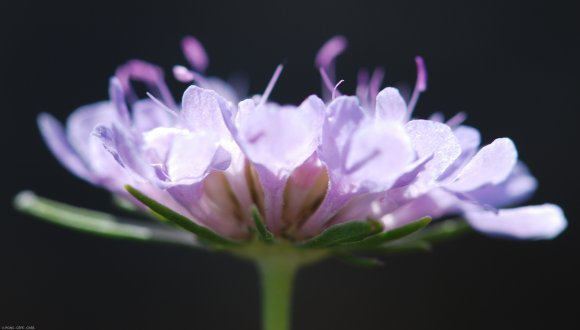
(371, 159)
(528, 222)
(390, 105)
(436, 140)
(280, 138)
(491, 165)
(202, 110)
(184, 157)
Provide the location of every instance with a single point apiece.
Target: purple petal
(185, 157)
(125, 150)
(517, 188)
(434, 139)
(390, 105)
(469, 139)
(53, 134)
(379, 153)
(280, 138)
(491, 165)
(343, 117)
(202, 111)
(193, 156)
(529, 222)
(147, 115)
(80, 125)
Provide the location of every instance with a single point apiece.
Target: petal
(185, 157)
(223, 88)
(344, 115)
(193, 156)
(379, 153)
(53, 134)
(390, 105)
(147, 115)
(362, 156)
(202, 111)
(80, 125)
(517, 188)
(125, 150)
(469, 139)
(529, 222)
(436, 140)
(280, 138)
(435, 204)
(491, 165)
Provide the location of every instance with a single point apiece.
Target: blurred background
(512, 66)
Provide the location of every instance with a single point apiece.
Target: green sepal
(263, 232)
(343, 233)
(358, 261)
(203, 233)
(411, 246)
(123, 204)
(388, 236)
(445, 230)
(96, 223)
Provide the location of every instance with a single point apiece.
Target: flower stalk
(277, 277)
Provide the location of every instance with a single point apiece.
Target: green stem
(277, 278)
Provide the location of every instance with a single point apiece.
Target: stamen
(362, 85)
(117, 95)
(437, 116)
(335, 89)
(375, 83)
(326, 80)
(183, 74)
(271, 84)
(160, 104)
(148, 73)
(457, 120)
(325, 59)
(330, 50)
(195, 53)
(420, 84)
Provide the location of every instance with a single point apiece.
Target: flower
(286, 185)
(306, 168)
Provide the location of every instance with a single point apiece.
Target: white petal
(529, 222)
(390, 105)
(491, 165)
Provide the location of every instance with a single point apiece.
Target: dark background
(512, 66)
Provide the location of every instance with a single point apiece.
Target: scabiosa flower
(339, 175)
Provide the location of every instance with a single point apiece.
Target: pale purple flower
(307, 167)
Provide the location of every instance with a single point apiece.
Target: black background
(512, 66)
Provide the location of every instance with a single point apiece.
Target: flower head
(216, 156)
